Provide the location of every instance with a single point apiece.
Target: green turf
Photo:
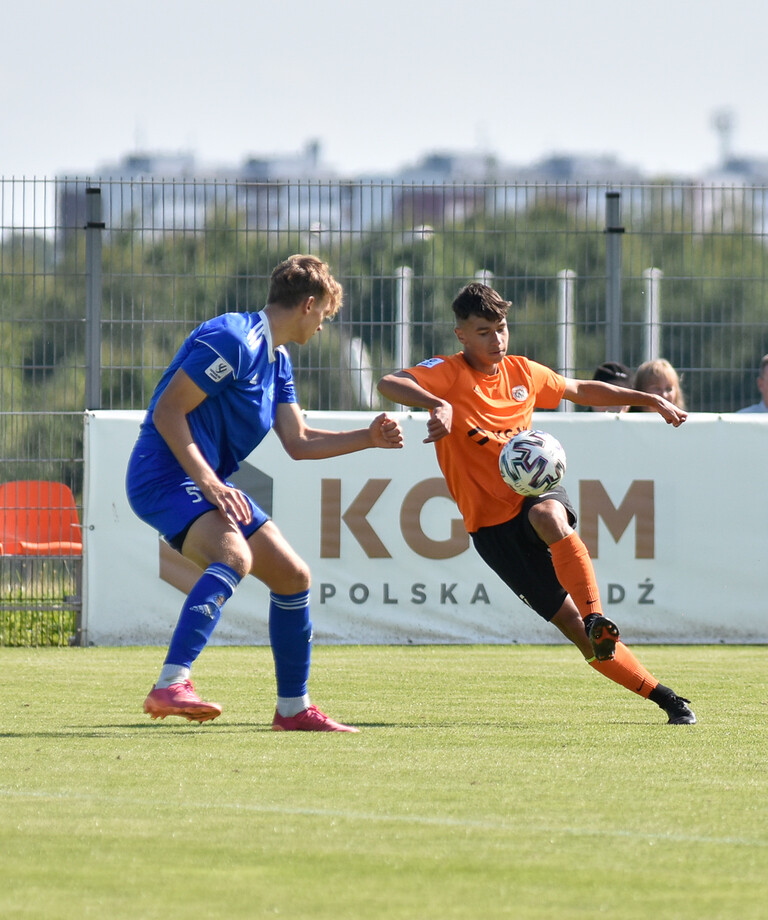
(486, 782)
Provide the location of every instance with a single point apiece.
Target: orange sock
(575, 572)
(626, 670)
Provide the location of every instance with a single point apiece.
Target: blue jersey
(233, 360)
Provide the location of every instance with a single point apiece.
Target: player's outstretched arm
(386, 432)
(671, 414)
(401, 388)
(304, 443)
(598, 393)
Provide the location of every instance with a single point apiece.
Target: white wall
(689, 566)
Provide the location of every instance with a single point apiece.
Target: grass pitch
(486, 782)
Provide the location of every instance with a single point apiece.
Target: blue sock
(201, 613)
(290, 634)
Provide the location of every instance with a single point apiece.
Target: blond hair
(660, 369)
(300, 276)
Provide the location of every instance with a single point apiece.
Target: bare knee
(276, 563)
(236, 553)
(550, 520)
(293, 580)
(239, 561)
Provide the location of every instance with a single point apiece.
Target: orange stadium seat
(38, 518)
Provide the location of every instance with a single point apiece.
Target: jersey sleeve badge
(219, 370)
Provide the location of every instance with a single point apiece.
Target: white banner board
(676, 530)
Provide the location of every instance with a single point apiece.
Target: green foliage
(157, 286)
(48, 625)
(39, 600)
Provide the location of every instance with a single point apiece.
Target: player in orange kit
(477, 399)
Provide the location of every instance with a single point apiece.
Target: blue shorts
(163, 496)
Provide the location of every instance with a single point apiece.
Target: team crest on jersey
(520, 394)
(219, 370)
(430, 362)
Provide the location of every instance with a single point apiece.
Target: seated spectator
(660, 378)
(762, 385)
(619, 375)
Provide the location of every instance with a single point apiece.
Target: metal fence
(101, 280)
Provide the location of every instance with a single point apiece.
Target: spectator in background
(619, 375)
(762, 385)
(661, 379)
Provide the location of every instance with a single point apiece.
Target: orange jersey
(487, 411)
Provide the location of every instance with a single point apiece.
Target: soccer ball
(532, 462)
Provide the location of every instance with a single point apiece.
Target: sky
(379, 85)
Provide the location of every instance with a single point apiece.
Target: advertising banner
(676, 532)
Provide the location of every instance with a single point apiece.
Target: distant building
(148, 192)
(452, 167)
(733, 196)
(154, 193)
(601, 169)
(305, 165)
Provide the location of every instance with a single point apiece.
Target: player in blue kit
(228, 385)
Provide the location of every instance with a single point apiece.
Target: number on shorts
(195, 493)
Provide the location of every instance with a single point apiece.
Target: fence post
(404, 277)
(355, 355)
(613, 318)
(652, 278)
(566, 360)
(93, 292)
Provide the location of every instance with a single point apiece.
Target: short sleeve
(214, 360)
(548, 384)
(286, 389)
(435, 375)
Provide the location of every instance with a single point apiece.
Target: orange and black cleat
(603, 635)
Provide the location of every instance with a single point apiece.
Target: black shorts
(521, 558)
